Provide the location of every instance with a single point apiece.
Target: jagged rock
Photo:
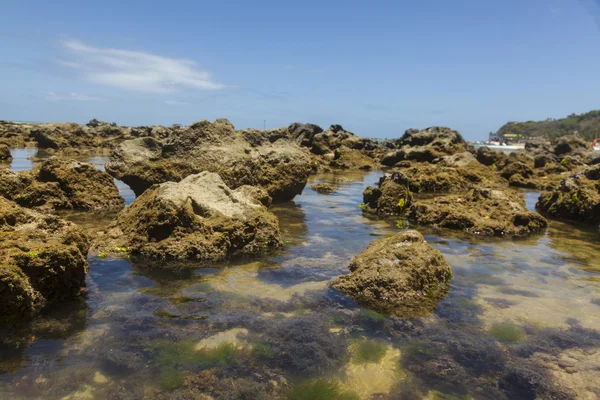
(59, 184)
(401, 275)
(427, 178)
(304, 133)
(336, 137)
(391, 197)
(576, 197)
(42, 260)
(198, 219)
(463, 159)
(281, 167)
(489, 157)
(426, 145)
(570, 144)
(5, 155)
(484, 212)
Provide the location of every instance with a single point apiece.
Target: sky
(375, 67)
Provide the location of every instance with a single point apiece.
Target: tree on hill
(586, 125)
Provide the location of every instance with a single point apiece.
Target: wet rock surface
(42, 260)
(575, 198)
(323, 188)
(59, 184)
(401, 275)
(197, 219)
(483, 212)
(239, 157)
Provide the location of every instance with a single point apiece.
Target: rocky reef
(239, 157)
(59, 184)
(391, 197)
(401, 275)
(482, 212)
(425, 145)
(575, 198)
(5, 155)
(42, 260)
(197, 219)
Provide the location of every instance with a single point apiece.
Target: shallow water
(522, 318)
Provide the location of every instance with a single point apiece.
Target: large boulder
(197, 219)
(426, 145)
(483, 211)
(489, 157)
(239, 157)
(59, 184)
(335, 137)
(347, 158)
(571, 144)
(5, 155)
(401, 275)
(576, 197)
(42, 260)
(391, 197)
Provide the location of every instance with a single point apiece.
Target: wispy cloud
(53, 96)
(136, 70)
(177, 103)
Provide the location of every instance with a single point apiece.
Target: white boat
(503, 146)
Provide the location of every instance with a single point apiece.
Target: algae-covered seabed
(521, 320)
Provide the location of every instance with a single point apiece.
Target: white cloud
(53, 96)
(177, 103)
(136, 70)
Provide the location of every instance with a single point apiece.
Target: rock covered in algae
(200, 219)
(483, 211)
(241, 158)
(401, 275)
(575, 198)
(5, 155)
(42, 259)
(59, 184)
(391, 197)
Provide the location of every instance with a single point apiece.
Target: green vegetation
(263, 350)
(494, 166)
(586, 125)
(372, 316)
(321, 389)
(102, 255)
(362, 206)
(121, 249)
(170, 378)
(401, 224)
(168, 354)
(563, 162)
(507, 332)
(366, 351)
(32, 254)
(401, 204)
(574, 197)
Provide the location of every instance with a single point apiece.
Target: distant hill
(586, 125)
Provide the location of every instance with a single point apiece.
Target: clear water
(521, 317)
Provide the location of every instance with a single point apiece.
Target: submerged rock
(402, 275)
(59, 184)
(391, 197)
(198, 219)
(5, 155)
(484, 212)
(239, 157)
(323, 188)
(42, 260)
(426, 145)
(575, 198)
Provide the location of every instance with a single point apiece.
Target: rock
(401, 275)
(570, 144)
(346, 158)
(304, 134)
(42, 260)
(575, 198)
(197, 219)
(490, 157)
(14, 134)
(5, 155)
(484, 212)
(543, 159)
(463, 159)
(59, 184)
(323, 188)
(426, 145)
(391, 197)
(239, 157)
(518, 168)
(426, 178)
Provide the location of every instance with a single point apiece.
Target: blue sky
(378, 67)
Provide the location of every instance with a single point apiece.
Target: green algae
(321, 389)
(507, 332)
(367, 351)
